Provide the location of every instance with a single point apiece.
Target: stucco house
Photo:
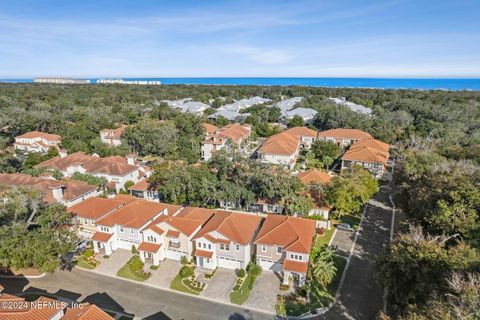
(283, 246)
(68, 193)
(344, 137)
(35, 141)
(171, 237)
(123, 227)
(371, 154)
(226, 138)
(116, 169)
(226, 240)
(312, 179)
(113, 137)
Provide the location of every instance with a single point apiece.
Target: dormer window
(279, 250)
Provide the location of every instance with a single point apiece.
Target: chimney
(57, 191)
(130, 159)
(62, 153)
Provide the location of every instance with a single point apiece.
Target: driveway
(220, 286)
(114, 263)
(342, 242)
(165, 273)
(264, 292)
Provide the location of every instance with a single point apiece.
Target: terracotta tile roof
(302, 132)
(45, 311)
(86, 312)
(102, 236)
(115, 166)
(126, 198)
(114, 133)
(149, 247)
(195, 213)
(185, 226)
(141, 185)
(236, 227)
(209, 128)
(95, 208)
(134, 215)
(71, 189)
(295, 266)
(314, 176)
(351, 134)
(369, 151)
(281, 144)
(235, 131)
(203, 253)
(38, 134)
(292, 233)
(173, 234)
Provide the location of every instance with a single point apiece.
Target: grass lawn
(324, 239)
(354, 221)
(240, 296)
(80, 262)
(296, 305)
(127, 272)
(177, 284)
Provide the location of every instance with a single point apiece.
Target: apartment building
(371, 154)
(113, 137)
(344, 137)
(228, 137)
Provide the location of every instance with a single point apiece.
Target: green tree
(295, 121)
(326, 152)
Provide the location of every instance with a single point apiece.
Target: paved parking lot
(220, 286)
(114, 263)
(264, 292)
(165, 273)
(342, 242)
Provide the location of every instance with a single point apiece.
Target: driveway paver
(220, 286)
(264, 292)
(114, 263)
(165, 273)
(342, 242)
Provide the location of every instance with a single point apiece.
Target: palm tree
(324, 269)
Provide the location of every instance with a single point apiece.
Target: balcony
(174, 244)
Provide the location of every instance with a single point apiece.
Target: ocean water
(379, 83)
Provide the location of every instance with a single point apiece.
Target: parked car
(81, 246)
(345, 227)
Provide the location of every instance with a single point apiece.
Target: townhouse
(314, 180)
(116, 169)
(143, 190)
(36, 141)
(171, 237)
(68, 193)
(371, 154)
(228, 137)
(113, 137)
(226, 240)
(344, 137)
(123, 227)
(283, 246)
(86, 213)
(283, 148)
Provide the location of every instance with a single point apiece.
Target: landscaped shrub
(236, 288)
(254, 269)
(186, 272)
(154, 267)
(184, 260)
(88, 253)
(134, 250)
(106, 256)
(284, 287)
(136, 264)
(251, 281)
(241, 273)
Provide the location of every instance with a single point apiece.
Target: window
(131, 231)
(279, 250)
(224, 247)
(121, 229)
(209, 246)
(204, 245)
(296, 256)
(238, 247)
(264, 248)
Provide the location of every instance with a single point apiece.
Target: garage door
(270, 265)
(229, 263)
(174, 255)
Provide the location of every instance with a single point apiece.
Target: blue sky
(146, 38)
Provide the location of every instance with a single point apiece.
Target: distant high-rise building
(60, 80)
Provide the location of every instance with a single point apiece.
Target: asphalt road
(131, 298)
(361, 297)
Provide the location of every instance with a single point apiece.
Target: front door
(200, 261)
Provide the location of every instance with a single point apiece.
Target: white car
(345, 227)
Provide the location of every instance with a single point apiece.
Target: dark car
(345, 227)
